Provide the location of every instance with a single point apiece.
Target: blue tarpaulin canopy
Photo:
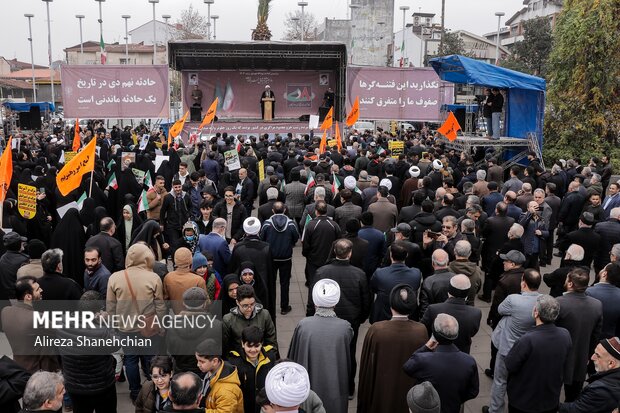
(25, 107)
(525, 101)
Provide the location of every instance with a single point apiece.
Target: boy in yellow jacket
(220, 387)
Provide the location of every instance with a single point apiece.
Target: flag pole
(90, 190)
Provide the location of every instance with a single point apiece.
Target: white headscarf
(287, 384)
(326, 293)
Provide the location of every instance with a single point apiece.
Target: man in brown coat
(384, 212)
(387, 346)
(155, 197)
(136, 291)
(480, 187)
(17, 321)
(182, 279)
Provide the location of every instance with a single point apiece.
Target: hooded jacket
(225, 395)
(252, 377)
(180, 342)
(180, 280)
(281, 233)
(473, 272)
(146, 285)
(235, 322)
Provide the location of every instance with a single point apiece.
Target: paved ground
(286, 324)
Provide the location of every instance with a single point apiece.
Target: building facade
(138, 54)
(368, 34)
(421, 40)
(144, 33)
(514, 30)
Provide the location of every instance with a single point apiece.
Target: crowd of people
(411, 242)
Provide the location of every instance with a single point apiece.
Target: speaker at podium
(195, 114)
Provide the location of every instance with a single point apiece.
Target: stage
(518, 147)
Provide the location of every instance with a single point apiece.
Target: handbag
(150, 329)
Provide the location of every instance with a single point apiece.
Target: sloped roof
(94, 47)
(149, 22)
(27, 74)
(19, 65)
(15, 84)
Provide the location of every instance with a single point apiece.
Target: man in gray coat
(582, 316)
(517, 319)
(321, 344)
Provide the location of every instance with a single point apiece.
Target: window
(125, 61)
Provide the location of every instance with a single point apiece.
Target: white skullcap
(386, 183)
(350, 182)
(267, 87)
(287, 384)
(437, 164)
(414, 171)
(326, 293)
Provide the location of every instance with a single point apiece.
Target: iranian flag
(147, 180)
(309, 185)
(335, 184)
(282, 184)
(111, 164)
(359, 191)
(104, 55)
(81, 200)
(143, 203)
(380, 150)
(308, 219)
(112, 182)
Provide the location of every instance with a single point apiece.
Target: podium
(195, 113)
(268, 108)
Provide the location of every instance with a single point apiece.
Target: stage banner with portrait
(297, 92)
(410, 94)
(115, 91)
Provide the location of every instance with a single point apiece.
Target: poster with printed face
(139, 175)
(127, 158)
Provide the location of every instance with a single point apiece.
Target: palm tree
(262, 31)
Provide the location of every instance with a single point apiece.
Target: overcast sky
(237, 18)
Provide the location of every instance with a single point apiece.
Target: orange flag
(176, 129)
(329, 118)
(6, 169)
(338, 138)
(449, 127)
(323, 144)
(76, 136)
(210, 115)
(354, 115)
(70, 176)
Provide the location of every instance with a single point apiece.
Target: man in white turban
(287, 386)
(324, 340)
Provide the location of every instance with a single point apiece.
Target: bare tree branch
(191, 25)
(293, 27)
